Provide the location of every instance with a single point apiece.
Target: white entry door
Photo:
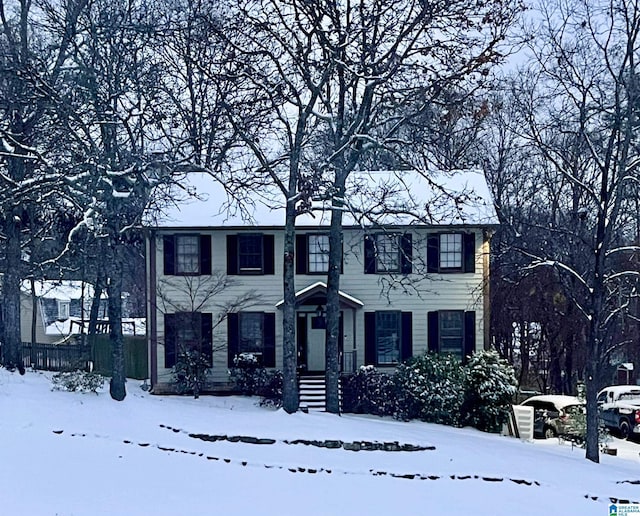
(315, 347)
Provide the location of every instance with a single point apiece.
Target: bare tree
(35, 171)
(323, 83)
(577, 116)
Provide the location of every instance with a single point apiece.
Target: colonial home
(414, 277)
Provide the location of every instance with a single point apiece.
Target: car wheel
(549, 432)
(624, 429)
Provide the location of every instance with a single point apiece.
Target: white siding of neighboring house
(453, 291)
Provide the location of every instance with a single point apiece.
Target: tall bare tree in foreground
(325, 83)
(578, 115)
(36, 176)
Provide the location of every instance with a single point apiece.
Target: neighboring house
(62, 310)
(405, 288)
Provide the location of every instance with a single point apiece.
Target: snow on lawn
(84, 454)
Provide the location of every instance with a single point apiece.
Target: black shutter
(406, 350)
(206, 340)
(232, 254)
(370, 338)
(433, 253)
(369, 255)
(406, 253)
(301, 254)
(433, 331)
(340, 337)
(268, 258)
(170, 321)
(301, 340)
(469, 252)
(205, 255)
(341, 257)
(469, 334)
(169, 249)
(269, 340)
(232, 338)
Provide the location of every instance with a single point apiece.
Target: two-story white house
(407, 286)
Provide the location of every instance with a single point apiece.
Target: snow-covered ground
(83, 454)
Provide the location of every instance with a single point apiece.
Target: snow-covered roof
(558, 400)
(373, 197)
(61, 290)
(321, 287)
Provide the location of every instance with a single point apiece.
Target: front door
(315, 345)
(310, 338)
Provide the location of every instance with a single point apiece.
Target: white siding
(418, 292)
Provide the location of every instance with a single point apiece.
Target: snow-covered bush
(490, 384)
(270, 389)
(430, 388)
(368, 391)
(190, 371)
(77, 381)
(247, 375)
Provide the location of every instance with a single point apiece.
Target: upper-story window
(312, 253)
(250, 253)
(450, 251)
(187, 255)
(318, 253)
(388, 253)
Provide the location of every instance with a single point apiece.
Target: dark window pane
(451, 332)
(250, 253)
(387, 337)
(251, 338)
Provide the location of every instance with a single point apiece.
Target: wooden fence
(95, 355)
(51, 357)
(135, 356)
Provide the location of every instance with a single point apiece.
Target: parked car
(619, 409)
(555, 415)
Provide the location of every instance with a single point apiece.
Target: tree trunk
(95, 304)
(12, 345)
(332, 354)
(114, 291)
(290, 400)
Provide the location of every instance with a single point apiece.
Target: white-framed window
(64, 308)
(250, 254)
(318, 253)
(451, 332)
(187, 254)
(388, 328)
(387, 252)
(451, 250)
(251, 332)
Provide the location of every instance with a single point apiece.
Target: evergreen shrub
(77, 381)
(369, 391)
(430, 388)
(489, 386)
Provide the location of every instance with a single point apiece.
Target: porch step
(313, 393)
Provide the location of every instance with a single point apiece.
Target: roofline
(319, 227)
